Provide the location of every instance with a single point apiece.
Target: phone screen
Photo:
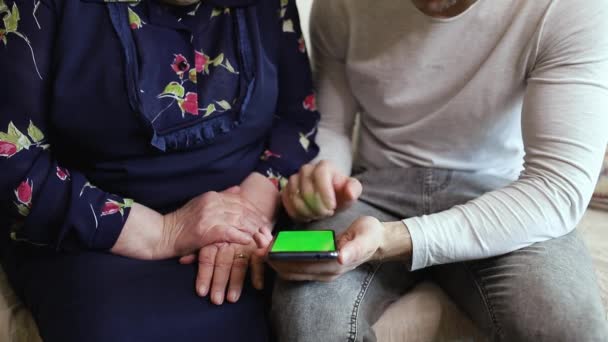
(304, 241)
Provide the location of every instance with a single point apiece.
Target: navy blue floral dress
(107, 103)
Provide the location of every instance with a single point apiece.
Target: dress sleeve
(292, 139)
(47, 204)
(564, 122)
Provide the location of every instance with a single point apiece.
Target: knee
(583, 321)
(303, 311)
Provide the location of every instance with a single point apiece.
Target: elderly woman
(133, 133)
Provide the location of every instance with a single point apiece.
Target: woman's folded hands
(211, 218)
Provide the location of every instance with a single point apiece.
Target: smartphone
(304, 245)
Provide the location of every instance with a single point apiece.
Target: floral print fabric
(77, 149)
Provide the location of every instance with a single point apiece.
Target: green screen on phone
(304, 241)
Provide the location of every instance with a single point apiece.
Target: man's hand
(367, 239)
(317, 191)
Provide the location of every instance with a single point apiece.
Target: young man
(483, 126)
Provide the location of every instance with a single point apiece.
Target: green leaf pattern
(216, 12)
(35, 133)
(34, 137)
(10, 20)
(134, 20)
(176, 91)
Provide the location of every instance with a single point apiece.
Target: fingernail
(345, 258)
(217, 298)
(233, 296)
(202, 291)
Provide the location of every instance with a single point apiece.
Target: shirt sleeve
(292, 138)
(47, 204)
(335, 98)
(564, 122)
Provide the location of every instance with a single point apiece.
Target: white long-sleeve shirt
(515, 88)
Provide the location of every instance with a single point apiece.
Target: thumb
(349, 245)
(349, 251)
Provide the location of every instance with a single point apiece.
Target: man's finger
(311, 267)
(353, 189)
(309, 277)
(206, 263)
(351, 251)
(302, 212)
(323, 175)
(311, 195)
(349, 192)
(289, 206)
(305, 179)
(221, 273)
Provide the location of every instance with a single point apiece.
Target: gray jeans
(545, 292)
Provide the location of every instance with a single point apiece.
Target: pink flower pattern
(62, 173)
(180, 65)
(310, 103)
(7, 149)
(24, 192)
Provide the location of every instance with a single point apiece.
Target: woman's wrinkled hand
(222, 269)
(213, 218)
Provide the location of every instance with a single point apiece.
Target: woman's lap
(102, 297)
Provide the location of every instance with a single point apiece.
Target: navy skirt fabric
(102, 297)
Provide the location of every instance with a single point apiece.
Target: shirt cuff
(419, 243)
(100, 222)
(108, 231)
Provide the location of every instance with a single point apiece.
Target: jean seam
(427, 185)
(481, 287)
(352, 334)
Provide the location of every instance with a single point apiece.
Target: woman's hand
(214, 218)
(207, 219)
(222, 269)
(318, 191)
(367, 239)
(261, 192)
